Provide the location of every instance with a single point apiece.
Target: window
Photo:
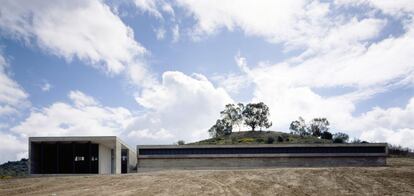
(79, 158)
(93, 158)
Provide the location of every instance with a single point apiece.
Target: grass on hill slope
(260, 137)
(14, 168)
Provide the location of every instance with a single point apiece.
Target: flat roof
(105, 140)
(262, 150)
(259, 145)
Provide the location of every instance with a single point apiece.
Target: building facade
(80, 155)
(158, 157)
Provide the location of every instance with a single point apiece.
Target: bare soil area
(395, 179)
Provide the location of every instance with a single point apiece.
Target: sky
(155, 72)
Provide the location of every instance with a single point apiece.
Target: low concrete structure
(158, 157)
(80, 155)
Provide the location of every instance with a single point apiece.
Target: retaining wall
(159, 157)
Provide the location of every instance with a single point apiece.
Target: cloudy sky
(155, 71)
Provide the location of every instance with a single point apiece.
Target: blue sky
(155, 72)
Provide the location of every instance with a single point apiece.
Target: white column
(117, 153)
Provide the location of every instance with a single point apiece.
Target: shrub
(246, 140)
(340, 137)
(270, 140)
(398, 150)
(326, 135)
(280, 139)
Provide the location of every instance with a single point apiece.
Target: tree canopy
(318, 127)
(254, 115)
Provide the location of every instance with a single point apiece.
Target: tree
(340, 137)
(326, 135)
(222, 127)
(181, 142)
(298, 127)
(318, 126)
(256, 115)
(233, 114)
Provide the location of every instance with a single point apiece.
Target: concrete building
(80, 155)
(158, 157)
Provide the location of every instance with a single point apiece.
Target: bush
(14, 168)
(280, 139)
(247, 140)
(326, 135)
(270, 140)
(340, 137)
(398, 150)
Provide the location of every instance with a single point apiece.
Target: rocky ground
(395, 179)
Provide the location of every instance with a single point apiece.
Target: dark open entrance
(64, 158)
(124, 161)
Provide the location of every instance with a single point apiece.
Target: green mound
(261, 137)
(14, 168)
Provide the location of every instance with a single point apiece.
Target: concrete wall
(256, 162)
(132, 161)
(104, 160)
(150, 162)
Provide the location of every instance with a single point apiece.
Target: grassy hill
(14, 168)
(260, 137)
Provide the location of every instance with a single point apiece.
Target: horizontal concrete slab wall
(259, 156)
(257, 162)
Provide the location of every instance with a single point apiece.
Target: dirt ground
(395, 179)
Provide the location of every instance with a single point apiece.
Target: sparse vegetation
(270, 140)
(318, 127)
(253, 115)
(263, 137)
(14, 168)
(400, 151)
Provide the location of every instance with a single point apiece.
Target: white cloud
(396, 8)
(84, 116)
(176, 33)
(402, 137)
(377, 64)
(46, 86)
(393, 125)
(87, 30)
(232, 83)
(147, 134)
(276, 21)
(12, 96)
(12, 148)
(180, 108)
(149, 6)
(391, 118)
(155, 7)
(160, 33)
(287, 87)
(82, 100)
